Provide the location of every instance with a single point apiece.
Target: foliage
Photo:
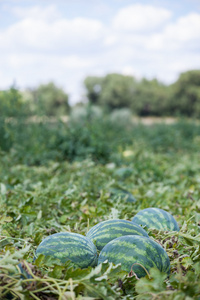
(68, 176)
(122, 116)
(11, 103)
(151, 98)
(186, 94)
(117, 91)
(48, 99)
(93, 85)
(100, 137)
(37, 142)
(81, 113)
(146, 97)
(158, 165)
(113, 91)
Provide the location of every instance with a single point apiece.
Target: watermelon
(106, 231)
(123, 172)
(132, 250)
(156, 218)
(23, 272)
(117, 192)
(69, 246)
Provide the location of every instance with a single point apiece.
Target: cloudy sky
(66, 40)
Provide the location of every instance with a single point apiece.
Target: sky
(65, 41)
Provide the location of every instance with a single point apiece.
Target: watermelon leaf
(154, 284)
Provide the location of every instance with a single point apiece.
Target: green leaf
(154, 284)
(3, 189)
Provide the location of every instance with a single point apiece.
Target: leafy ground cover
(159, 167)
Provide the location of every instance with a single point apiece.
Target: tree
(147, 97)
(117, 91)
(50, 99)
(12, 104)
(150, 98)
(112, 91)
(186, 94)
(93, 88)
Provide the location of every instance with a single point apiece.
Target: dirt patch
(154, 120)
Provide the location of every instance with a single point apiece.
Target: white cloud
(63, 35)
(35, 50)
(185, 32)
(140, 18)
(25, 61)
(186, 28)
(48, 13)
(32, 69)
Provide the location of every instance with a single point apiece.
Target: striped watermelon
(131, 250)
(24, 273)
(156, 218)
(69, 246)
(106, 231)
(123, 194)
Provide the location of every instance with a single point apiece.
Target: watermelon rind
(105, 231)
(132, 251)
(69, 246)
(24, 273)
(123, 194)
(157, 218)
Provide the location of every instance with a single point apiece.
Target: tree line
(147, 97)
(114, 91)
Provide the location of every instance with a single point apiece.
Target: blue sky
(65, 41)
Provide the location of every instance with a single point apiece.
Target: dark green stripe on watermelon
(156, 218)
(69, 246)
(106, 231)
(132, 250)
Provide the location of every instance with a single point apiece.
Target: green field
(60, 177)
